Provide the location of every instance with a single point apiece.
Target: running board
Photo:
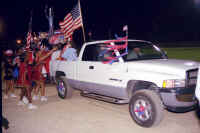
(104, 98)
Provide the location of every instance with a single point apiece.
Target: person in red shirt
(41, 56)
(24, 83)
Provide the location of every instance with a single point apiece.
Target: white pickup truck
(146, 80)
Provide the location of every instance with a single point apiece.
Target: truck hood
(167, 66)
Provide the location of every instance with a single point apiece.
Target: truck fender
(59, 73)
(135, 85)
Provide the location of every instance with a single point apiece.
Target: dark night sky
(164, 20)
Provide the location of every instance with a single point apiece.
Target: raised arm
(42, 58)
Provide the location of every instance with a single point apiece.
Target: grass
(189, 53)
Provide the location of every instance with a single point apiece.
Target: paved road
(85, 115)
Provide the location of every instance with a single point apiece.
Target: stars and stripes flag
(28, 40)
(71, 22)
(29, 36)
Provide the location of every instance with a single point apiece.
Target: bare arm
(42, 58)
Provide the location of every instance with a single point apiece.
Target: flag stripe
(67, 26)
(70, 19)
(67, 17)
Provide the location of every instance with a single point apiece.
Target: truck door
(98, 76)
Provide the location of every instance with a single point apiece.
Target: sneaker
(5, 97)
(20, 103)
(13, 95)
(43, 99)
(31, 106)
(35, 97)
(25, 100)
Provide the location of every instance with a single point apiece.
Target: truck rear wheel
(63, 88)
(146, 108)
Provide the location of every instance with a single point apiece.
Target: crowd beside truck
(29, 69)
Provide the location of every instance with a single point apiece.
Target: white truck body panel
(153, 71)
(197, 91)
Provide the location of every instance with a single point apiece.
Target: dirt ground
(84, 115)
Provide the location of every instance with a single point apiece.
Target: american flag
(28, 40)
(29, 36)
(71, 22)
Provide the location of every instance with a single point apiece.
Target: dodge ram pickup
(138, 73)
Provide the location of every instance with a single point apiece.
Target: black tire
(63, 88)
(146, 108)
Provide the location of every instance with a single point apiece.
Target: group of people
(24, 69)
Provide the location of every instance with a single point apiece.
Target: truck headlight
(173, 83)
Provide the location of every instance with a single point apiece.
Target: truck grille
(191, 79)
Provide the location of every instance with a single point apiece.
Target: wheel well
(59, 73)
(135, 85)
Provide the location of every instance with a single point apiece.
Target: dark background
(154, 20)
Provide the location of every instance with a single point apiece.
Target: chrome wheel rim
(61, 88)
(142, 110)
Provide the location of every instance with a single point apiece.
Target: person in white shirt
(69, 53)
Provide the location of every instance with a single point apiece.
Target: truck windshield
(137, 50)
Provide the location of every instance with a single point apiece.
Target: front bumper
(182, 109)
(197, 92)
(179, 99)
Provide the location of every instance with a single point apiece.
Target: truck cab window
(90, 53)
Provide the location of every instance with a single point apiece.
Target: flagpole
(127, 32)
(82, 20)
(127, 39)
(30, 21)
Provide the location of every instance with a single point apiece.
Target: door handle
(91, 67)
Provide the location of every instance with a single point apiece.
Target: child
(25, 83)
(9, 80)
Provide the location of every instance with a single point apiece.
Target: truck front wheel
(63, 88)
(146, 108)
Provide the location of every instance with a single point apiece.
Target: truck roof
(102, 41)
